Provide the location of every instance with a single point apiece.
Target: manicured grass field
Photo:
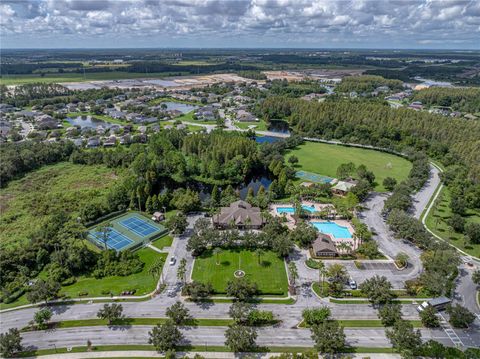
(142, 282)
(188, 117)
(437, 219)
(259, 126)
(270, 274)
(165, 241)
(324, 159)
(27, 203)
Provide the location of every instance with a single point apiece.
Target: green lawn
(188, 117)
(259, 126)
(76, 77)
(27, 203)
(437, 219)
(270, 275)
(142, 282)
(165, 241)
(324, 159)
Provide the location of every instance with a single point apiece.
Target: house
(158, 216)
(78, 142)
(241, 215)
(119, 115)
(110, 141)
(323, 246)
(416, 105)
(341, 188)
(244, 116)
(5, 128)
(93, 142)
(125, 139)
(4, 108)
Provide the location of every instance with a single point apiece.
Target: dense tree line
(366, 84)
(459, 99)
(20, 158)
(450, 140)
(22, 95)
(295, 88)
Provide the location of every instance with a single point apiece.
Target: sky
(423, 24)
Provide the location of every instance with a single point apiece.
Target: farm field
(27, 203)
(269, 274)
(437, 219)
(324, 159)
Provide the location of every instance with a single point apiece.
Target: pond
(254, 183)
(279, 126)
(88, 122)
(182, 107)
(267, 139)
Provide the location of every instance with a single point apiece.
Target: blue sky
(448, 24)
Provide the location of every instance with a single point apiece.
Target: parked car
(173, 260)
(352, 284)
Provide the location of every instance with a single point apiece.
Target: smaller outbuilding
(158, 216)
(323, 246)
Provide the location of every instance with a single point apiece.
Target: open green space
(165, 241)
(259, 126)
(269, 273)
(27, 204)
(188, 117)
(437, 222)
(324, 159)
(142, 282)
(77, 77)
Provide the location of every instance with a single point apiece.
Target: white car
(352, 284)
(173, 260)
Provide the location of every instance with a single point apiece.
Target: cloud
(176, 23)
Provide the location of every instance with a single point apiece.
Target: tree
(240, 312)
(316, 315)
(241, 288)
(329, 337)
(198, 290)
(460, 317)
(322, 273)
(476, 277)
(403, 338)
(282, 245)
(304, 234)
(111, 312)
(389, 183)
(473, 231)
(259, 252)
(429, 317)
(378, 289)
(165, 336)
(293, 272)
(457, 222)
(42, 317)
(293, 160)
(401, 259)
(177, 224)
(216, 252)
(240, 338)
(215, 196)
(156, 268)
(105, 230)
(390, 313)
(182, 270)
(10, 342)
(43, 290)
(338, 276)
(178, 313)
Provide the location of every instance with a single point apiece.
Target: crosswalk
(450, 332)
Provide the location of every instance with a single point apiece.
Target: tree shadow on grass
(265, 264)
(225, 263)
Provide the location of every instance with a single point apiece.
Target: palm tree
(292, 269)
(156, 269)
(217, 251)
(105, 229)
(259, 252)
(322, 272)
(182, 269)
(345, 247)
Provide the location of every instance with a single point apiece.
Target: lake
(254, 183)
(182, 107)
(88, 121)
(267, 139)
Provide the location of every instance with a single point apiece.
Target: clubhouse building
(240, 215)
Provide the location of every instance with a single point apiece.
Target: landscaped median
(365, 323)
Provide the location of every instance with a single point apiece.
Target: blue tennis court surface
(115, 240)
(138, 226)
(313, 177)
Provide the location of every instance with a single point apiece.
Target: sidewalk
(215, 355)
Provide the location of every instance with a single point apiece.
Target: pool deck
(343, 223)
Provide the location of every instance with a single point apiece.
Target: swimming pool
(332, 228)
(292, 210)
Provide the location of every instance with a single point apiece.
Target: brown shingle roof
(324, 243)
(240, 213)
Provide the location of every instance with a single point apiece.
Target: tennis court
(313, 177)
(115, 240)
(138, 226)
(130, 230)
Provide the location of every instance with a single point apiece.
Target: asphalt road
(204, 336)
